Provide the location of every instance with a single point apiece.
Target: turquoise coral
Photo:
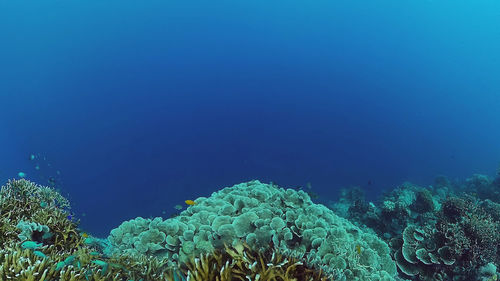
(260, 214)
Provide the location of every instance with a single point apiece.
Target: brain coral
(261, 215)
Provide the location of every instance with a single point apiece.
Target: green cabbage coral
(261, 215)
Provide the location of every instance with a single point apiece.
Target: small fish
(31, 245)
(190, 202)
(178, 207)
(32, 157)
(21, 174)
(104, 265)
(52, 181)
(69, 217)
(85, 235)
(100, 262)
(60, 265)
(69, 260)
(39, 254)
(37, 167)
(309, 185)
(358, 249)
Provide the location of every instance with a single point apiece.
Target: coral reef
(442, 232)
(484, 187)
(256, 231)
(405, 205)
(39, 212)
(463, 239)
(258, 214)
(39, 242)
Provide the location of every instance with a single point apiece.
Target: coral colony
(257, 231)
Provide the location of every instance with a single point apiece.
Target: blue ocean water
(134, 107)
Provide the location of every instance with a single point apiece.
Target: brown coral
(243, 263)
(24, 265)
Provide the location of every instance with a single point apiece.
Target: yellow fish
(358, 249)
(190, 202)
(85, 235)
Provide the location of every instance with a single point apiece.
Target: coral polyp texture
(262, 216)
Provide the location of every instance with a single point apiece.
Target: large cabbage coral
(261, 215)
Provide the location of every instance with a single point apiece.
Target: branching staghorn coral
(52, 248)
(22, 200)
(26, 265)
(240, 262)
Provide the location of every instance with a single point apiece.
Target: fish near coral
(31, 245)
(190, 202)
(60, 265)
(358, 249)
(102, 264)
(39, 254)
